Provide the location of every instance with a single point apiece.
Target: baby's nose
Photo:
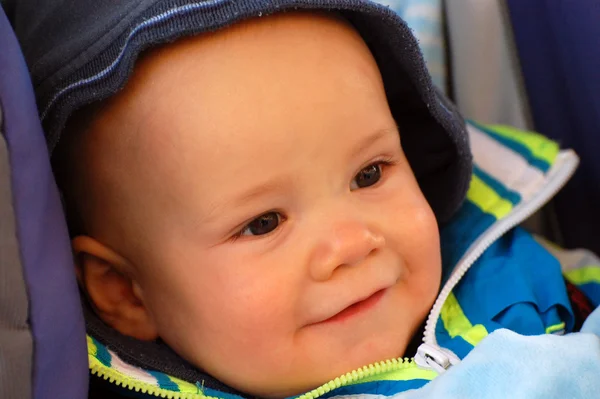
(343, 244)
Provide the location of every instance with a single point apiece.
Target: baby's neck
(416, 340)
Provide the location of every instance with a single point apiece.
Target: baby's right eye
(264, 224)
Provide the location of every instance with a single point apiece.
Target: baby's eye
(263, 224)
(367, 176)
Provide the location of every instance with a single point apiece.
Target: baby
(264, 200)
(282, 239)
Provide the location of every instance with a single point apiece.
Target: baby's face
(278, 234)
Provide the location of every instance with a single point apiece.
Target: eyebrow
(371, 140)
(256, 191)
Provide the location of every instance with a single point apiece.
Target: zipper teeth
(143, 387)
(349, 378)
(371, 370)
(559, 174)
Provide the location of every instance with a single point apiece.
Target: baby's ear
(116, 298)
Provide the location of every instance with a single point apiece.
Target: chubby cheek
(423, 256)
(224, 310)
(414, 235)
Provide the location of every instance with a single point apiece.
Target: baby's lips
(351, 307)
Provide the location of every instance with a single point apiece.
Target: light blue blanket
(508, 365)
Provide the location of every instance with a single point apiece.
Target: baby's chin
(288, 363)
(305, 379)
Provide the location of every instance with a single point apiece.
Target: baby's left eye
(367, 176)
(264, 224)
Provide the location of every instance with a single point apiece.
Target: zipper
(147, 388)
(372, 370)
(430, 355)
(352, 377)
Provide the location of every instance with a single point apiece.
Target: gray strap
(16, 346)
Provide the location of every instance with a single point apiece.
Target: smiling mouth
(357, 308)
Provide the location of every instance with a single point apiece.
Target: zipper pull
(433, 357)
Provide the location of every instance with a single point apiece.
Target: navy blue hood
(82, 51)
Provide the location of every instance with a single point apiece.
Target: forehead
(259, 91)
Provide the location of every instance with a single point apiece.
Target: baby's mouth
(357, 308)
